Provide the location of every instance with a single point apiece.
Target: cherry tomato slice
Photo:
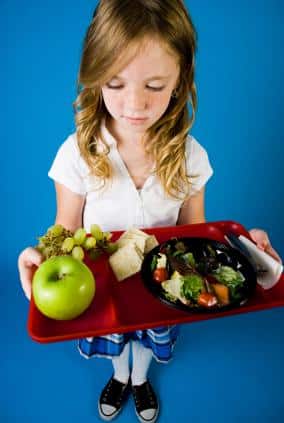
(160, 274)
(206, 300)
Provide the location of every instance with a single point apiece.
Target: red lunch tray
(126, 306)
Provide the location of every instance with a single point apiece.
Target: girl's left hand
(262, 241)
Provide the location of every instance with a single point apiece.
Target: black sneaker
(146, 403)
(112, 397)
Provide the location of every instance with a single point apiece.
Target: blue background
(225, 369)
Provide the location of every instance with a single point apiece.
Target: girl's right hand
(28, 261)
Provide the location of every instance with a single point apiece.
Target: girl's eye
(155, 88)
(117, 87)
(114, 87)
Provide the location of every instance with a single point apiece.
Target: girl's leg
(115, 392)
(141, 359)
(146, 403)
(121, 365)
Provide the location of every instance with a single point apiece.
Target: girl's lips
(135, 119)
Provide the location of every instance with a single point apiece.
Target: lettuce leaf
(189, 258)
(192, 286)
(228, 276)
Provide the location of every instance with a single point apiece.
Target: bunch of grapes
(59, 241)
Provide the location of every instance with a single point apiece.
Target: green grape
(90, 242)
(55, 230)
(68, 245)
(79, 236)
(78, 253)
(111, 247)
(97, 232)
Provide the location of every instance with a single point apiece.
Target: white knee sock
(121, 365)
(142, 357)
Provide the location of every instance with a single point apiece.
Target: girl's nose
(136, 100)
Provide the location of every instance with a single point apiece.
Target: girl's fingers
(260, 238)
(28, 262)
(262, 241)
(26, 276)
(269, 250)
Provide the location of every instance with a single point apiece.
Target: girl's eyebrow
(157, 77)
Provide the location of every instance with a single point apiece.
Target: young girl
(131, 162)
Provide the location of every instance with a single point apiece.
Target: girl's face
(140, 94)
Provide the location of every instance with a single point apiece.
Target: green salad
(204, 282)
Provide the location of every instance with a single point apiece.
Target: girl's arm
(69, 208)
(69, 214)
(192, 210)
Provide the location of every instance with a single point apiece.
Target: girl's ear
(175, 93)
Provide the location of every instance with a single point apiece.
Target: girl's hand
(262, 241)
(28, 261)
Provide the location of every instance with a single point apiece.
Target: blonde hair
(117, 30)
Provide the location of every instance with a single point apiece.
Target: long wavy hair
(117, 30)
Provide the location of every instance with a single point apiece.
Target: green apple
(63, 287)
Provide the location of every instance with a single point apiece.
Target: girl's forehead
(151, 58)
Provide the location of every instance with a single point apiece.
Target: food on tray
(126, 261)
(221, 292)
(63, 287)
(204, 276)
(58, 241)
(135, 236)
(132, 246)
(151, 242)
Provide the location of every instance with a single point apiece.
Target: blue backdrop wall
(232, 366)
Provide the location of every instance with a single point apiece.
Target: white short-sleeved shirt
(121, 205)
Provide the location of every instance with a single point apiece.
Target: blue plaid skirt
(161, 341)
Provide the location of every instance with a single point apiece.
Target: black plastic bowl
(197, 246)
